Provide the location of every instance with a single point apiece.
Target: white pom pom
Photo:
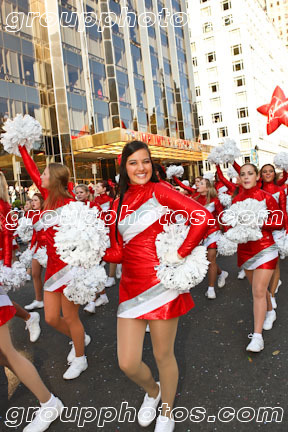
(225, 199)
(226, 247)
(117, 178)
(85, 283)
(13, 277)
(232, 173)
(216, 155)
(226, 152)
(23, 131)
(174, 170)
(82, 237)
(246, 219)
(25, 229)
(26, 257)
(281, 240)
(209, 176)
(190, 271)
(41, 256)
(281, 160)
(230, 151)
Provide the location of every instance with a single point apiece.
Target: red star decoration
(276, 111)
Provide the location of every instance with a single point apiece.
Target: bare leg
(76, 329)
(163, 334)
(213, 268)
(112, 270)
(22, 367)
(275, 279)
(37, 281)
(130, 337)
(260, 279)
(20, 312)
(52, 308)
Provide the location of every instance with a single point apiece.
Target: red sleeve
(115, 252)
(32, 170)
(236, 166)
(282, 206)
(275, 220)
(7, 235)
(230, 186)
(187, 188)
(198, 215)
(282, 181)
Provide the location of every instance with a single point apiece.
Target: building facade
(85, 68)
(277, 11)
(238, 60)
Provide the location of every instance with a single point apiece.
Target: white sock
(259, 335)
(50, 403)
(210, 288)
(270, 312)
(103, 296)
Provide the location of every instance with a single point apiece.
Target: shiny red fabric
(102, 199)
(139, 256)
(213, 227)
(273, 189)
(32, 170)
(250, 249)
(6, 234)
(192, 192)
(38, 237)
(6, 314)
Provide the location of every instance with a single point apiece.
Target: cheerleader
(6, 234)
(142, 297)
(51, 406)
(192, 192)
(53, 186)
(105, 198)
(83, 194)
(37, 242)
(258, 258)
(208, 198)
(269, 184)
(28, 206)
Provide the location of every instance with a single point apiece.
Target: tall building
(96, 75)
(238, 60)
(277, 11)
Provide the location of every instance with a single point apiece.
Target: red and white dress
(142, 216)
(263, 253)
(39, 236)
(104, 201)
(279, 195)
(57, 273)
(7, 310)
(214, 232)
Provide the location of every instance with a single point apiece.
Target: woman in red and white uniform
(192, 191)
(6, 235)
(53, 186)
(258, 258)
(105, 195)
(269, 184)
(38, 241)
(207, 197)
(140, 210)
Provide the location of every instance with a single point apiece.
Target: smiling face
(139, 167)
(248, 176)
(81, 194)
(100, 189)
(45, 178)
(268, 173)
(36, 203)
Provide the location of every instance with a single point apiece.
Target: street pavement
(215, 371)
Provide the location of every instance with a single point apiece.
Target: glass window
(227, 20)
(217, 117)
(222, 132)
(242, 112)
(201, 121)
(239, 81)
(214, 87)
(28, 65)
(226, 4)
(244, 128)
(211, 57)
(194, 61)
(119, 51)
(238, 65)
(205, 136)
(236, 50)
(198, 91)
(137, 59)
(207, 27)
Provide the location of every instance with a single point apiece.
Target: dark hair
(236, 192)
(274, 180)
(110, 189)
(128, 150)
(41, 199)
(161, 171)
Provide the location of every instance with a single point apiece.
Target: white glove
(172, 258)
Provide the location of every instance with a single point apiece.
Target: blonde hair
(3, 188)
(211, 191)
(58, 186)
(86, 189)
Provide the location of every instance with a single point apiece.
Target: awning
(110, 144)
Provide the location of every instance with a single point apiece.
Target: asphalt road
(215, 370)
